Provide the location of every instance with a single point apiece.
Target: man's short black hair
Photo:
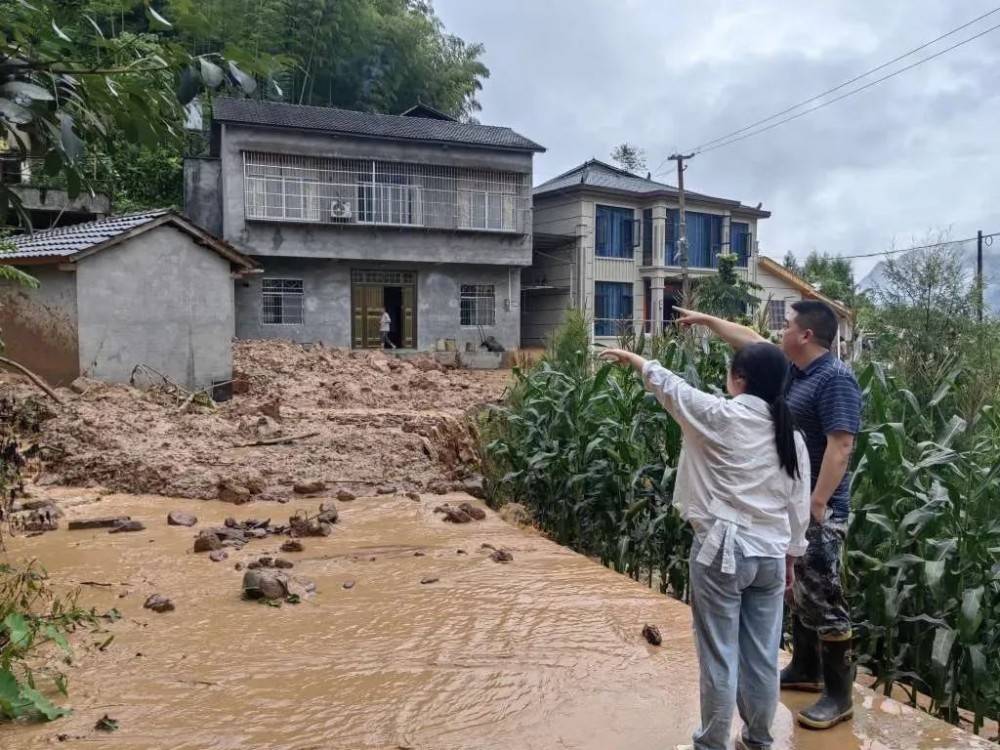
(819, 318)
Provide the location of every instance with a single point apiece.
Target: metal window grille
(368, 192)
(281, 301)
(478, 305)
(776, 315)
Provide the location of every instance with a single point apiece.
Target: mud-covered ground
(372, 422)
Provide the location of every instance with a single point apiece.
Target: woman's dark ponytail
(764, 368)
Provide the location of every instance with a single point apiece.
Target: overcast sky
(918, 153)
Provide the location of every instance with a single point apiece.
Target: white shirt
(385, 324)
(729, 484)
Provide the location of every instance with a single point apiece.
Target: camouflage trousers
(817, 595)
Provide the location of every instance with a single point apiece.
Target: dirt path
(540, 652)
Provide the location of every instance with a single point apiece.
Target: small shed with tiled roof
(148, 288)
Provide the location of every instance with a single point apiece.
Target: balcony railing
(286, 188)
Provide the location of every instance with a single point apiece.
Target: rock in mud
(516, 514)
(473, 486)
(429, 579)
(452, 514)
(438, 487)
(159, 603)
(477, 514)
(218, 555)
(418, 553)
(652, 635)
(81, 385)
(349, 584)
(299, 526)
(501, 555)
(207, 541)
(266, 428)
(345, 496)
(265, 584)
(105, 522)
(387, 489)
(180, 518)
(328, 513)
(300, 587)
(282, 563)
(309, 486)
(126, 526)
(230, 492)
(292, 545)
(413, 496)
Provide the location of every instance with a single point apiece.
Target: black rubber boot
(837, 702)
(804, 671)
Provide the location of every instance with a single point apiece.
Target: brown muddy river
(543, 652)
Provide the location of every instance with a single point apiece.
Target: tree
(80, 78)
(628, 157)
(792, 263)
(725, 294)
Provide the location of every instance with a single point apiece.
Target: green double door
(368, 300)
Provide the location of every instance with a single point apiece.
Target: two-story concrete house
(352, 213)
(605, 242)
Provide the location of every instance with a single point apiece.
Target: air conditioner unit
(340, 211)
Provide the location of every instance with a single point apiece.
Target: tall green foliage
(725, 293)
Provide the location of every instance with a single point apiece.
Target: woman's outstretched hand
(623, 357)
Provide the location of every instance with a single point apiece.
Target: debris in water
(476, 513)
(501, 555)
(292, 545)
(281, 562)
(652, 635)
(105, 522)
(106, 724)
(180, 518)
(516, 514)
(218, 555)
(460, 552)
(429, 579)
(453, 515)
(349, 584)
(207, 541)
(265, 584)
(387, 489)
(159, 603)
(309, 486)
(345, 496)
(413, 496)
(327, 513)
(418, 553)
(231, 492)
(126, 526)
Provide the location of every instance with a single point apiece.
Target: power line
(916, 247)
(852, 92)
(848, 83)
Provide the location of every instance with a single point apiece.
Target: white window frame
(404, 202)
(283, 289)
(772, 306)
(482, 299)
(502, 217)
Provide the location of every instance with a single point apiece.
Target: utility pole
(979, 275)
(682, 242)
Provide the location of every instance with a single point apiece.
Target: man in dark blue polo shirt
(825, 399)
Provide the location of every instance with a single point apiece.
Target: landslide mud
(542, 652)
(377, 421)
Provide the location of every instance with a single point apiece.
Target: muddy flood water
(541, 652)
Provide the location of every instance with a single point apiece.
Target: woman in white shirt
(739, 483)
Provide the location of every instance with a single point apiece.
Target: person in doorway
(825, 400)
(741, 483)
(385, 325)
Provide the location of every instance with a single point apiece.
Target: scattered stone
(349, 584)
(218, 555)
(419, 554)
(460, 552)
(105, 723)
(328, 513)
(126, 526)
(81, 385)
(253, 565)
(309, 486)
(257, 533)
(292, 545)
(413, 496)
(230, 492)
(271, 408)
(265, 584)
(429, 579)
(207, 541)
(179, 518)
(516, 514)
(159, 603)
(501, 556)
(438, 487)
(345, 496)
(652, 635)
(300, 587)
(476, 513)
(281, 562)
(387, 489)
(474, 487)
(230, 523)
(105, 522)
(486, 545)
(453, 515)
(266, 561)
(301, 526)
(239, 566)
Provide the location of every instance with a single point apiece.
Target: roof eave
(735, 206)
(528, 149)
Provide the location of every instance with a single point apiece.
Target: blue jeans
(737, 628)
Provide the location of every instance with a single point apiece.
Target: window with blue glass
(739, 242)
(612, 307)
(704, 238)
(647, 237)
(615, 232)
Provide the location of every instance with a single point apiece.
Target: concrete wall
(543, 310)
(410, 245)
(39, 325)
(203, 193)
(327, 301)
(160, 299)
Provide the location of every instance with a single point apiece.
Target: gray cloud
(915, 153)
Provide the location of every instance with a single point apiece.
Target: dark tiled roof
(70, 240)
(369, 125)
(600, 176)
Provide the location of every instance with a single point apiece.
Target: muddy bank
(355, 420)
(545, 651)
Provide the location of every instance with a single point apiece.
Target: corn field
(594, 458)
